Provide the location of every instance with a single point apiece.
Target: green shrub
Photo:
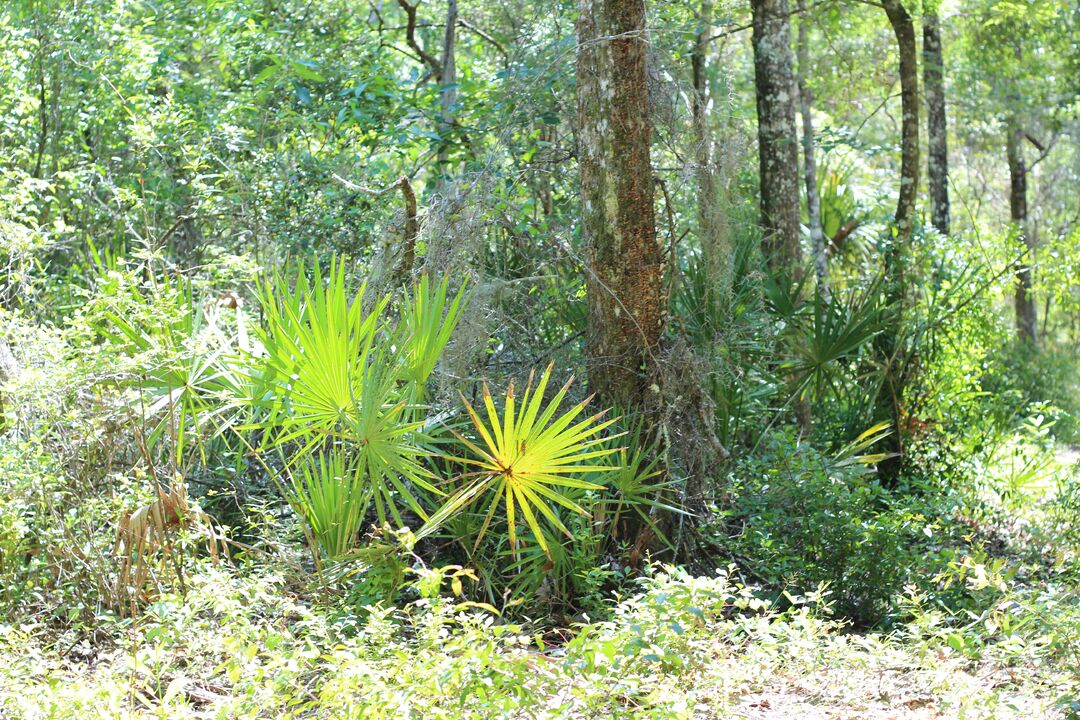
(1028, 378)
(798, 518)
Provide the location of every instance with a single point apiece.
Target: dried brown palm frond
(153, 530)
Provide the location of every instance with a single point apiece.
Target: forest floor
(242, 648)
(849, 678)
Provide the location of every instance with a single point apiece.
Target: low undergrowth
(206, 516)
(243, 646)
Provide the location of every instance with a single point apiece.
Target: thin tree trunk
(447, 87)
(887, 346)
(626, 301)
(777, 141)
(813, 200)
(937, 146)
(712, 222)
(904, 29)
(1024, 301)
(412, 229)
(43, 116)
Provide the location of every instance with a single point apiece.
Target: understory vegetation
(352, 365)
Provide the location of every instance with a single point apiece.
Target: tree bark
(887, 347)
(625, 290)
(1024, 300)
(447, 88)
(904, 29)
(712, 222)
(937, 146)
(777, 142)
(43, 114)
(813, 200)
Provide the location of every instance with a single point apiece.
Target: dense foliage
(307, 409)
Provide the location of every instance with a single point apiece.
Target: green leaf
(306, 70)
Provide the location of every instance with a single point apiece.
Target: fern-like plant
(636, 483)
(189, 362)
(329, 492)
(427, 322)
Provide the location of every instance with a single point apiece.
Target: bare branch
(408, 194)
(1044, 149)
(410, 37)
(741, 28)
(485, 36)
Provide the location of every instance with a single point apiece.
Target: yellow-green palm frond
(527, 456)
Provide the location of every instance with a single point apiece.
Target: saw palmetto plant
(636, 484)
(527, 460)
(317, 349)
(333, 379)
(188, 357)
(823, 336)
(329, 492)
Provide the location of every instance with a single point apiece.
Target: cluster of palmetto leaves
(527, 458)
(329, 396)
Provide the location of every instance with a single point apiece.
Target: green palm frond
(387, 441)
(190, 364)
(825, 333)
(636, 482)
(329, 380)
(836, 198)
(851, 455)
(317, 346)
(427, 323)
(329, 493)
(530, 459)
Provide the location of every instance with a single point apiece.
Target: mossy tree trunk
(1024, 299)
(937, 145)
(813, 200)
(888, 344)
(627, 305)
(778, 146)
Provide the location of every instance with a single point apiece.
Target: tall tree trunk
(626, 301)
(904, 29)
(813, 200)
(1026, 321)
(937, 146)
(712, 222)
(448, 88)
(886, 345)
(43, 114)
(778, 151)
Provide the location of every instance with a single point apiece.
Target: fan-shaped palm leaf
(528, 458)
(328, 492)
(328, 380)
